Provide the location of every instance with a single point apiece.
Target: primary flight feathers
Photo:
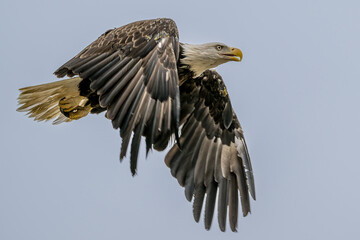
(152, 85)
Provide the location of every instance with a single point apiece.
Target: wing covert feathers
(213, 164)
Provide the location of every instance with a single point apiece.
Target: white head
(209, 55)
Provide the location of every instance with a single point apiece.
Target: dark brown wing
(214, 157)
(133, 69)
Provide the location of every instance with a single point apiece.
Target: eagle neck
(191, 59)
(184, 70)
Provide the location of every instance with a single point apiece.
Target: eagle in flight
(151, 85)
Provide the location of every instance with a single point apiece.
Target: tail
(60, 100)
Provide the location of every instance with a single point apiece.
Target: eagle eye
(219, 47)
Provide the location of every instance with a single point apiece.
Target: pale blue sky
(296, 94)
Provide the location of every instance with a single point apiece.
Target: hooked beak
(234, 54)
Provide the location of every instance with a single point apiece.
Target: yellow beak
(235, 54)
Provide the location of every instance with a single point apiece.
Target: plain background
(296, 93)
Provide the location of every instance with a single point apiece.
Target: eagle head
(209, 55)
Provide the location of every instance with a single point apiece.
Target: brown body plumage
(150, 85)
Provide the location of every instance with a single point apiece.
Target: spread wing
(214, 159)
(133, 69)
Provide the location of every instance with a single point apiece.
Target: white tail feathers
(41, 102)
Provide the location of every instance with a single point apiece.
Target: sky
(296, 94)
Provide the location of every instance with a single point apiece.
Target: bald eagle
(152, 85)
